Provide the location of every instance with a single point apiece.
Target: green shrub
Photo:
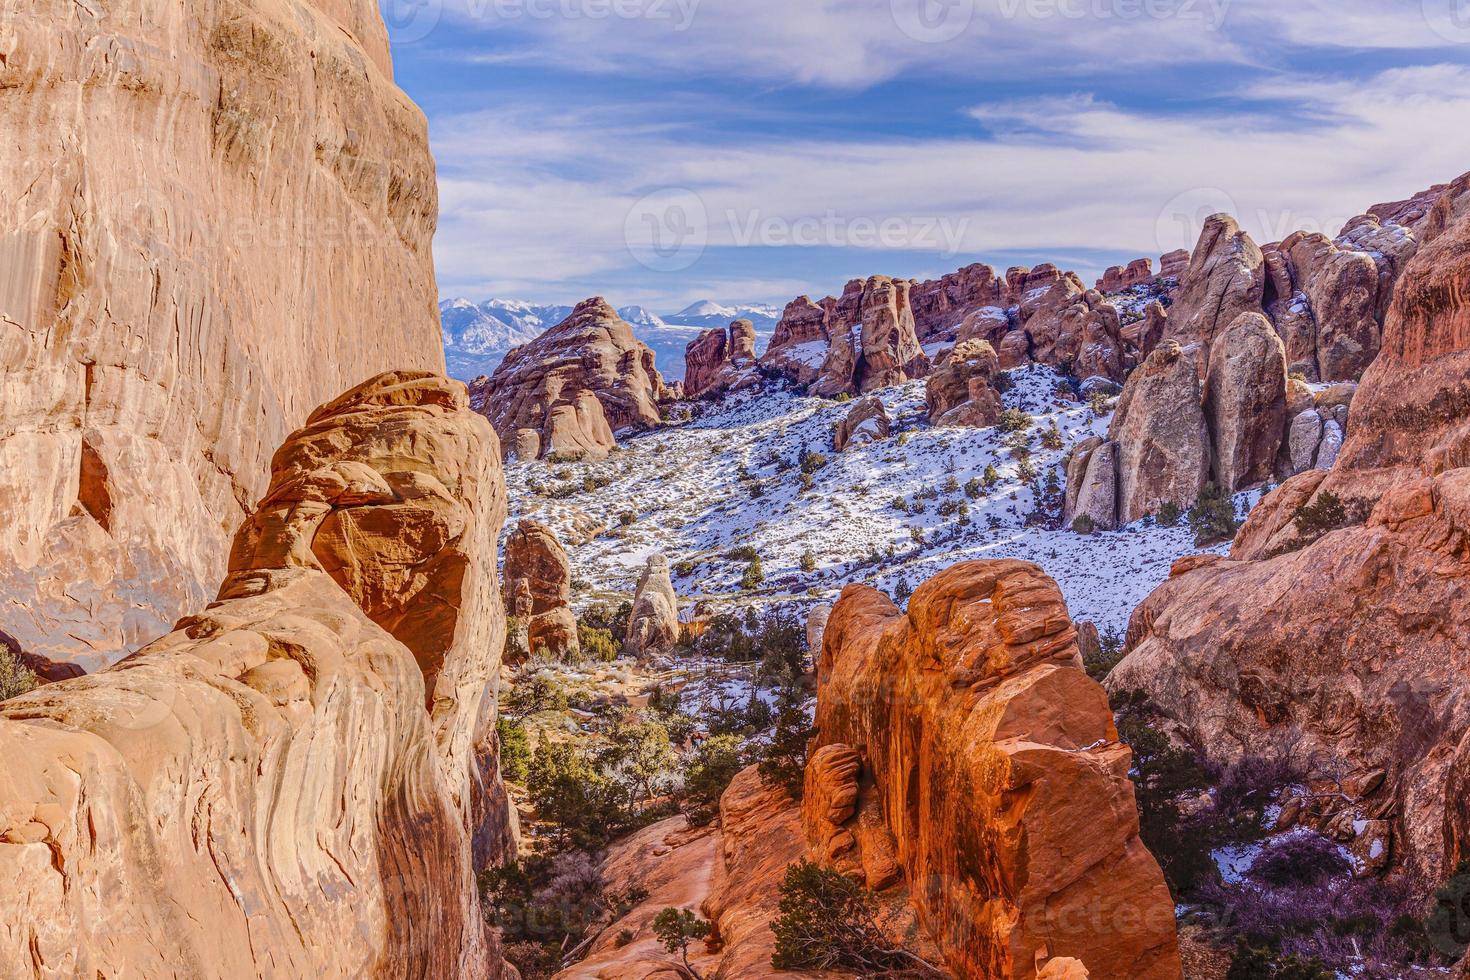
(974, 489)
(606, 616)
(585, 808)
(533, 695)
(707, 773)
(1170, 514)
(826, 921)
(676, 929)
(1014, 420)
(1324, 513)
(902, 591)
(627, 518)
(808, 562)
(991, 479)
(783, 759)
(1251, 963)
(1448, 924)
(1052, 437)
(812, 462)
(515, 750)
(1100, 403)
(1083, 524)
(1212, 518)
(597, 644)
(1101, 662)
(15, 677)
(753, 577)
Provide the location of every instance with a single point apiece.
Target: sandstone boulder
(961, 390)
(865, 424)
(1245, 401)
(1092, 486)
(538, 589)
(1161, 434)
(942, 304)
(213, 213)
(975, 724)
(653, 626)
(572, 389)
(285, 784)
(873, 343)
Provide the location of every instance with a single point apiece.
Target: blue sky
(662, 151)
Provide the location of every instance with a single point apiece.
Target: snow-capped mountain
(477, 336)
(707, 313)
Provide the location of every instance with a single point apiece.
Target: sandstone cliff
(982, 765)
(284, 785)
(572, 389)
(1352, 632)
(217, 216)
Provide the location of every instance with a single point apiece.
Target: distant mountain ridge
(477, 336)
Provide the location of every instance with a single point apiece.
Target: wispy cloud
(537, 197)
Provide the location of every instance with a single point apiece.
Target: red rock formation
(940, 305)
(961, 389)
(1163, 441)
(653, 624)
(864, 425)
(538, 589)
(283, 785)
(800, 342)
(1173, 264)
(1117, 278)
(873, 344)
(1225, 278)
(1355, 638)
(994, 763)
(720, 360)
(572, 389)
(219, 216)
(1245, 402)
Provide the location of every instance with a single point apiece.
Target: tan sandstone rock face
(1245, 401)
(653, 625)
(961, 389)
(573, 388)
(993, 761)
(1225, 278)
(1162, 438)
(720, 360)
(284, 785)
(1357, 638)
(219, 216)
(864, 425)
(538, 589)
(873, 343)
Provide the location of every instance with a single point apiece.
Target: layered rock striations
(961, 747)
(285, 784)
(219, 216)
(572, 389)
(1346, 633)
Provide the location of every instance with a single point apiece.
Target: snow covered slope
(732, 478)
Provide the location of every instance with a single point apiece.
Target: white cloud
(534, 199)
